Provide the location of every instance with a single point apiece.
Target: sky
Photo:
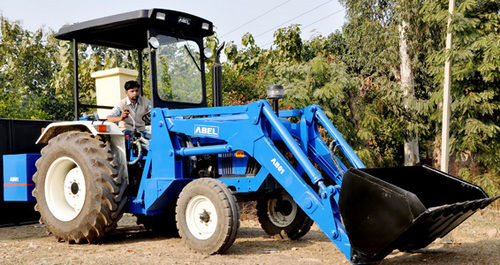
(231, 19)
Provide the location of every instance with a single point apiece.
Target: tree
(378, 79)
(411, 154)
(374, 34)
(36, 74)
(25, 71)
(474, 124)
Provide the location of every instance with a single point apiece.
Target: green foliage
(353, 74)
(474, 128)
(25, 72)
(36, 73)
(288, 43)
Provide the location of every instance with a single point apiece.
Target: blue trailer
(17, 141)
(199, 161)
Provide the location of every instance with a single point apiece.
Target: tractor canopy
(128, 31)
(173, 41)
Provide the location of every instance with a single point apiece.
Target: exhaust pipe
(275, 93)
(217, 78)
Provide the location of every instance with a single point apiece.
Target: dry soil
(476, 241)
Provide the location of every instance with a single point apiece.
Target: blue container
(18, 171)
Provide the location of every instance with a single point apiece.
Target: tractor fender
(116, 135)
(57, 128)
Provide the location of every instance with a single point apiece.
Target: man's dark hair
(131, 84)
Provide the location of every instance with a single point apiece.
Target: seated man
(131, 109)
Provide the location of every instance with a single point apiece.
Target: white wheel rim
(65, 189)
(201, 217)
(282, 218)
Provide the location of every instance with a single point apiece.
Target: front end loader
(187, 176)
(366, 213)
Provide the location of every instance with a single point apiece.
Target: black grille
(227, 163)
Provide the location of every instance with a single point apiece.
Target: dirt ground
(477, 241)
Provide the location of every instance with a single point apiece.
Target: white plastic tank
(109, 87)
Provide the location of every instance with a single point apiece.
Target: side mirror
(153, 41)
(208, 52)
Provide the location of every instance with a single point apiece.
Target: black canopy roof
(128, 30)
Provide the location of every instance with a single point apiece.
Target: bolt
(160, 124)
(153, 114)
(333, 190)
(308, 203)
(335, 235)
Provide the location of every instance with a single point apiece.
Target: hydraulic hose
(137, 143)
(334, 158)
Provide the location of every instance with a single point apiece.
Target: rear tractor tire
(207, 216)
(79, 187)
(281, 217)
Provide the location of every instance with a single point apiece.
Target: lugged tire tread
(105, 206)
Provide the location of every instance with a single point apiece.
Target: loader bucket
(403, 208)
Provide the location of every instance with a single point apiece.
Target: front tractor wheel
(281, 217)
(79, 186)
(207, 216)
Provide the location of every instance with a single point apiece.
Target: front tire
(79, 187)
(207, 216)
(281, 217)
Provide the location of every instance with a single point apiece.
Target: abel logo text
(205, 130)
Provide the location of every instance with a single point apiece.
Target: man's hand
(122, 116)
(125, 114)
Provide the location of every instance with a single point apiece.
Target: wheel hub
(74, 188)
(205, 216)
(284, 207)
(282, 211)
(65, 189)
(201, 217)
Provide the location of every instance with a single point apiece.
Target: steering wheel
(147, 118)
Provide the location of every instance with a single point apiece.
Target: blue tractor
(199, 161)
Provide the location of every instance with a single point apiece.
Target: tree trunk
(411, 153)
(436, 151)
